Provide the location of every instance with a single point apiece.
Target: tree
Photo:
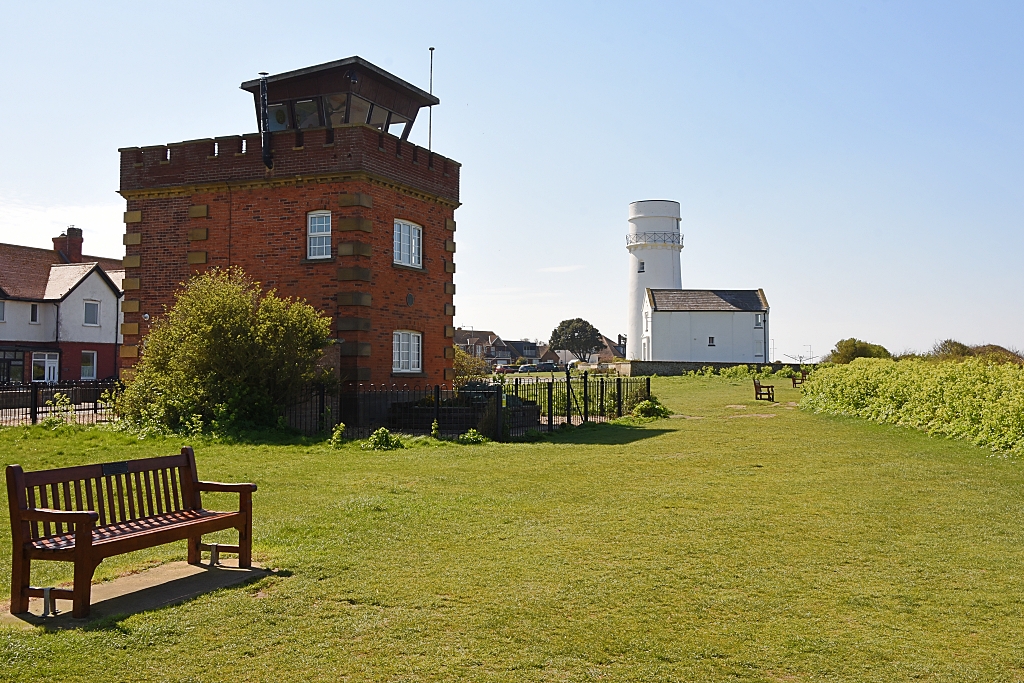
(848, 349)
(225, 357)
(576, 336)
(468, 367)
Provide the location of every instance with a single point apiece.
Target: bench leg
(245, 546)
(82, 588)
(21, 570)
(194, 553)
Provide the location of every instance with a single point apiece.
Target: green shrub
(472, 437)
(337, 436)
(383, 440)
(652, 407)
(847, 350)
(435, 430)
(973, 399)
(226, 356)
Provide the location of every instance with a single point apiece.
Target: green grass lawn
(757, 543)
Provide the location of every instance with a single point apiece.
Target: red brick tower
(351, 217)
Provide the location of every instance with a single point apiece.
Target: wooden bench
(799, 379)
(764, 392)
(88, 513)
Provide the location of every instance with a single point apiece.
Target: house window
(319, 234)
(758, 320)
(647, 322)
(407, 351)
(408, 244)
(88, 365)
(92, 313)
(10, 366)
(33, 315)
(2, 312)
(44, 366)
(640, 268)
(711, 341)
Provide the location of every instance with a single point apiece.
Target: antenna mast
(430, 112)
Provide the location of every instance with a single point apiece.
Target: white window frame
(408, 244)
(51, 361)
(33, 311)
(95, 371)
(759, 320)
(406, 351)
(85, 316)
(318, 241)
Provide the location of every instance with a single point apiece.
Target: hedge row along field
(973, 399)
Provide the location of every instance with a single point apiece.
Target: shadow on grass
(604, 434)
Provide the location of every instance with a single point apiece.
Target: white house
(59, 313)
(705, 325)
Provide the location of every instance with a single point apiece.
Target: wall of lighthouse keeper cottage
(352, 218)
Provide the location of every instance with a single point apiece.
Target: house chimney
(69, 245)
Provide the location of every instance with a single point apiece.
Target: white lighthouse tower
(654, 243)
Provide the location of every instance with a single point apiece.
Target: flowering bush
(973, 399)
(382, 440)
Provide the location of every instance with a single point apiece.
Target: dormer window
(33, 314)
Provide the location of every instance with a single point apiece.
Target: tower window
(758, 320)
(407, 353)
(319, 234)
(711, 341)
(640, 268)
(408, 244)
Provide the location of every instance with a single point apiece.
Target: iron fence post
(568, 397)
(618, 396)
(437, 406)
(321, 400)
(499, 415)
(586, 396)
(34, 410)
(551, 393)
(600, 397)
(648, 388)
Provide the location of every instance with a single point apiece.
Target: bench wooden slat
(131, 505)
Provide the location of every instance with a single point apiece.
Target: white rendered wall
(72, 313)
(683, 336)
(18, 328)
(660, 259)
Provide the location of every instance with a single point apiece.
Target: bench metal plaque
(111, 468)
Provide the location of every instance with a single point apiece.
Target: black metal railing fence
(532, 405)
(72, 401)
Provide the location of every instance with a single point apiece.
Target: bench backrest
(757, 384)
(116, 491)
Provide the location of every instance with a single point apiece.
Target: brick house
(351, 217)
(484, 344)
(59, 312)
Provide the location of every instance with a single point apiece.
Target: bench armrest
(218, 486)
(60, 516)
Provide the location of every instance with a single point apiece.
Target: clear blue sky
(861, 161)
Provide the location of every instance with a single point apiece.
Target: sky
(860, 161)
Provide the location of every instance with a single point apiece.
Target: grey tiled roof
(707, 299)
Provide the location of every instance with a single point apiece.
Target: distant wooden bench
(88, 513)
(799, 379)
(764, 392)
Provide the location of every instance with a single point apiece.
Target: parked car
(527, 368)
(546, 367)
(503, 369)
